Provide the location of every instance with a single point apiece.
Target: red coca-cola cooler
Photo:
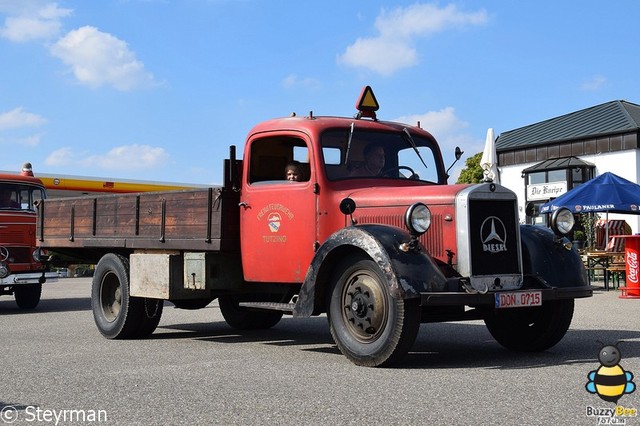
(632, 259)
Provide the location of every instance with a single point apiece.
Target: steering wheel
(413, 175)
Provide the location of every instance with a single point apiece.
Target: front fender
(549, 260)
(407, 273)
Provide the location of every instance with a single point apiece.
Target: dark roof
(558, 164)
(604, 119)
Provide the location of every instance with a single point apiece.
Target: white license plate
(518, 299)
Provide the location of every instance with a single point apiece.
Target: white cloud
(127, 157)
(131, 157)
(292, 80)
(33, 140)
(450, 131)
(97, 58)
(61, 157)
(438, 123)
(32, 21)
(594, 83)
(26, 141)
(18, 117)
(379, 54)
(392, 49)
(420, 19)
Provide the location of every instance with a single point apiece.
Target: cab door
(277, 217)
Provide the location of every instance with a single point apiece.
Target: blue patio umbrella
(606, 193)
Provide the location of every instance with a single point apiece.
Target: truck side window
(271, 155)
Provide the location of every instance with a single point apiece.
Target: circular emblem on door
(274, 222)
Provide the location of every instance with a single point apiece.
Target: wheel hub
(358, 306)
(365, 307)
(110, 297)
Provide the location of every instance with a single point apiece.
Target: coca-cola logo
(632, 266)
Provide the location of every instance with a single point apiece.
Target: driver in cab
(6, 201)
(374, 159)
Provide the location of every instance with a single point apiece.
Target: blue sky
(158, 89)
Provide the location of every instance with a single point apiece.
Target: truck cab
(22, 271)
(292, 220)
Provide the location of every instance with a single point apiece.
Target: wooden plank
(186, 220)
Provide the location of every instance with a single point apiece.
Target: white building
(546, 159)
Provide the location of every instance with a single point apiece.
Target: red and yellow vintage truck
(370, 233)
(22, 271)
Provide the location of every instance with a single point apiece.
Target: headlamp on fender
(418, 219)
(39, 255)
(4, 270)
(562, 221)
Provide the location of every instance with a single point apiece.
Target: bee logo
(610, 381)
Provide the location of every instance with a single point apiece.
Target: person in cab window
(6, 201)
(293, 172)
(374, 159)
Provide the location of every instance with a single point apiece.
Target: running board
(287, 308)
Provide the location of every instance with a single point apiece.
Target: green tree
(472, 172)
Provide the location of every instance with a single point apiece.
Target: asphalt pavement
(195, 370)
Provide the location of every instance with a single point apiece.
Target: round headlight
(562, 221)
(4, 270)
(39, 255)
(418, 218)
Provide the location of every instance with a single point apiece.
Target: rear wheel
(249, 319)
(27, 296)
(117, 315)
(531, 329)
(191, 304)
(150, 317)
(369, 326)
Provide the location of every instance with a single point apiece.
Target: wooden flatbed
(204, 219)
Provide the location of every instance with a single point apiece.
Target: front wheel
(369, 326)
(531, 329)
(28, 296)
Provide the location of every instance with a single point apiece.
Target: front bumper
(28, 278)
(489, 298)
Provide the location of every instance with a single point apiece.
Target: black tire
(369, 326)
(248, 319)
(191, 304)
(117, 315)
(150, 317)
(27, 296)
(531, 329)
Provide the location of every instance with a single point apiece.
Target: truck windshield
(354, 153)
(17, 196)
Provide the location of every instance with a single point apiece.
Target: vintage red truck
(22, 271)
(379, 254)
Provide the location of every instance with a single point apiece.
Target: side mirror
(458, 155)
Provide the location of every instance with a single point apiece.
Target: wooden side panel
(185, 220)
